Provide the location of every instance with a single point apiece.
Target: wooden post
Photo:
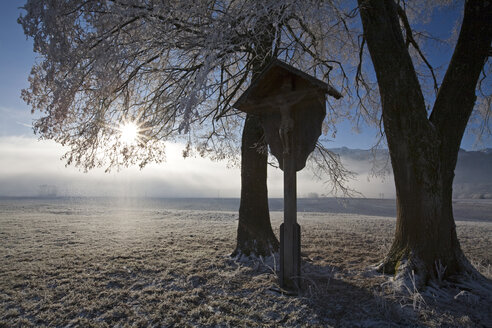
(300, 100)
(290, 231)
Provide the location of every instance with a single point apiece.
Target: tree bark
(254, 233)
(424, 150)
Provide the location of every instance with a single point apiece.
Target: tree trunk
(424, 150)
(425, 239)
(254, 233)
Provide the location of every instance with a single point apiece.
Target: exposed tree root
(256, 247)
(412, 274)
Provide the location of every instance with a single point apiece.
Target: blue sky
(16, 59)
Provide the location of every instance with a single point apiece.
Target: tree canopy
(174, 66)
(168, 65)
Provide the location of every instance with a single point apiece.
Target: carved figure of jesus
(286, 129)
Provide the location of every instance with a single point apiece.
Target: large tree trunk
(424, 150)
(425, 239)
(254, 233)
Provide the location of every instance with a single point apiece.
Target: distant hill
(473, 177)
(486, 151)
(473, 174)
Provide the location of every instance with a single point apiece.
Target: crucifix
(292, 106)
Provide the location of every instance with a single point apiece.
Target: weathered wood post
(290, 231)
(291, 106)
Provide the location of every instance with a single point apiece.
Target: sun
(129, 133)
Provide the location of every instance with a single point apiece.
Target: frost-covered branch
(327, 166)
(411, 40)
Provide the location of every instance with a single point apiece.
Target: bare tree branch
(410, 40)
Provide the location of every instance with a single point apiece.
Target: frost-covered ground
(112, 263)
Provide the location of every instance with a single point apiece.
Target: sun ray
(129, 132)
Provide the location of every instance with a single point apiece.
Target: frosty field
(165, 263)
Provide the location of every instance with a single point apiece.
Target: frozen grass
(74, 266)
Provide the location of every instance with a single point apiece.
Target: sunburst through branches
(131, 133)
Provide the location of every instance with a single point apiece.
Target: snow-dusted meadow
(108, 262)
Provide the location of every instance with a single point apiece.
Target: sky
(26, 164)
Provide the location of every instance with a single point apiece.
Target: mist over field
(473, 173)
(31, 168)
